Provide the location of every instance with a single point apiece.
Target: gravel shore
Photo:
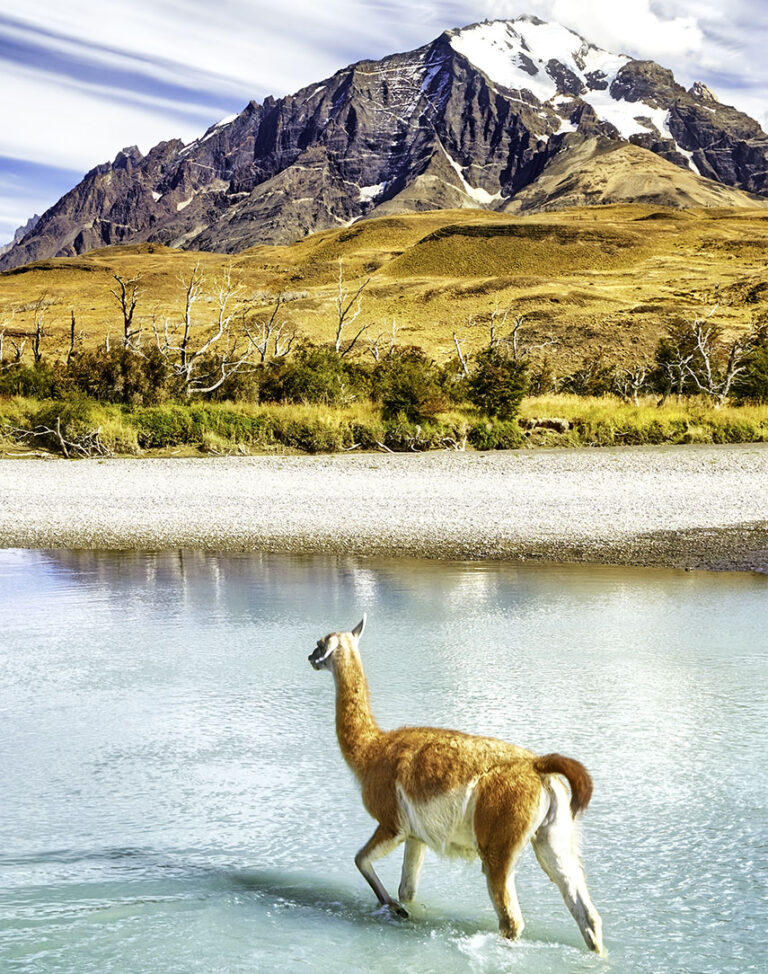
(691, 506)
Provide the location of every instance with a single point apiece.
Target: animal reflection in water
(460, 795)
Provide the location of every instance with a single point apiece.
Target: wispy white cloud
(90, 76)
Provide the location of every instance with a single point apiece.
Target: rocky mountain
(21, 232)
(602, 170)
(474, 119)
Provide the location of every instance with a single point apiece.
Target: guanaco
(459, 795)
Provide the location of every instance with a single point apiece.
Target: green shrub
(495, 434)
(497, 384)
(162, 426)
(314, 437)
(121, 375)
(593, 378)
(408, 384)
(752, 385)
(75, 416)
(313, 375)
(41, 381)
(369, 434)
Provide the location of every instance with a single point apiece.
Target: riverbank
(685, 507)
(83, 427)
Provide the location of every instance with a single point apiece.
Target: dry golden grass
(173, 429)
(600, 280)
(609, 421)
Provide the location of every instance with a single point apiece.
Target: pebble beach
(685, 507)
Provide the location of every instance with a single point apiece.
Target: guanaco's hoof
(399, 911)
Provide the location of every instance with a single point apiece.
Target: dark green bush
(408, 384)
(240, 387)
(75, 415)
(593, 378)
(312, 436)
(752, 385)
(404, 436)
(161, 426)
(41, 381)
(121, 375)
(498, 383)
(495, 434)
(314, 375)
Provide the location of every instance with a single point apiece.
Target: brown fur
(507, 783)
(428, 761)
(574, 771)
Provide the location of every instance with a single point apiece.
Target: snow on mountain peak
(517, 54)
(556, 64)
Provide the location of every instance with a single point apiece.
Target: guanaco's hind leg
(507, 811)
(555, 845)
(500, 877)
(380, 844)
(413, 860)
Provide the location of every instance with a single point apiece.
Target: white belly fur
(445, 823)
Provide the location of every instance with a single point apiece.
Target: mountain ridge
(471, 119)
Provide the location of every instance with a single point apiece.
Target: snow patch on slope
(625, 115)
(369, 193)
(481, 196)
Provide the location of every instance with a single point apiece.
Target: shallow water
(173, 798)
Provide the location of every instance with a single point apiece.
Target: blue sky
(84, 78)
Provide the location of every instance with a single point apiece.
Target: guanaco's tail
(578, 778)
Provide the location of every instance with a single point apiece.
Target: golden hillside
(598, 279)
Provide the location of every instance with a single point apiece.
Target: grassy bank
(609, 421)
(223, 428)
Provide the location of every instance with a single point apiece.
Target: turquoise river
(173, 800)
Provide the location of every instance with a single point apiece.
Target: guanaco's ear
(358, 630)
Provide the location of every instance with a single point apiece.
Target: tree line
(224, 346)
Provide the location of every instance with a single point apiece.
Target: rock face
(21, 232)
(601, 170)
(470, 120)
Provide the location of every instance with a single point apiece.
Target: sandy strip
(691, 506)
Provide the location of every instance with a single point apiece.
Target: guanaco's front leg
(413, 860)
(380, 844)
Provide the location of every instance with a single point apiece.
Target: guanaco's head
(333, 644)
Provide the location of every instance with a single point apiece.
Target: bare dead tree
(512, 342)
(712, 377)
(271, 330)
(628, 383)
(497, 319)
(678, 356)
(75, 340)
(87, 444)
(522, 349)
(38, 312)
(283, 342)
(204, 357)
(463, 356)
(450, 443)
(375, 344)
(18, 351)
(4, 323)
(193, 285)
(127, 295)
(348, 309)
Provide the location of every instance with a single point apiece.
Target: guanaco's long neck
(356, 728)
